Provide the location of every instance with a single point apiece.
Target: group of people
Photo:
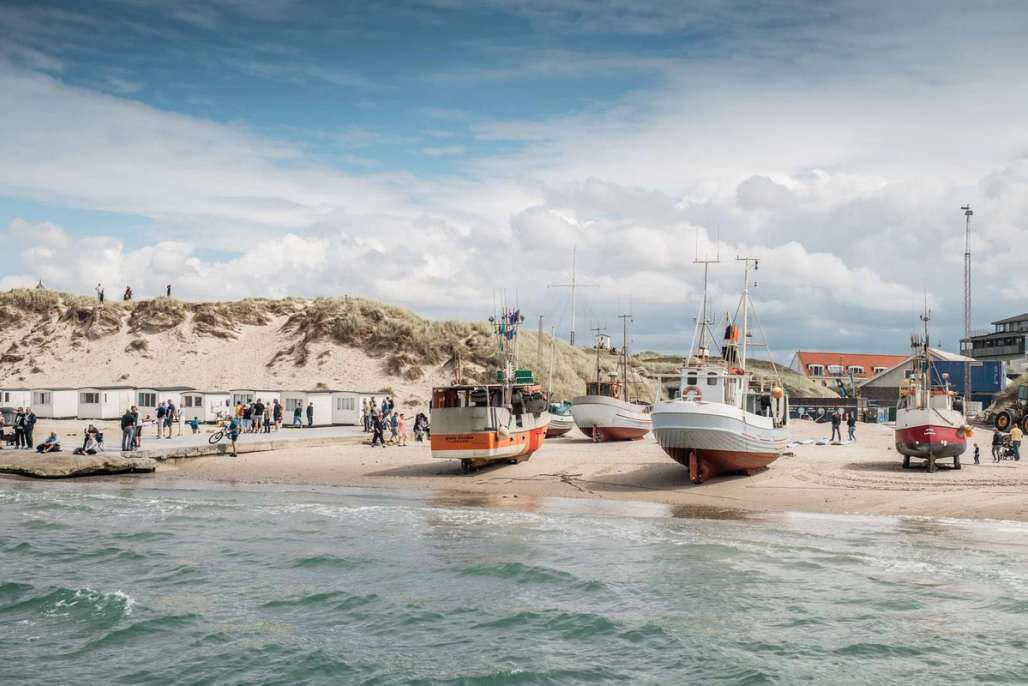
(851, 423)
(257, 417)
(377, 420)
(126, 296)
(1001, 440)
(24, 422)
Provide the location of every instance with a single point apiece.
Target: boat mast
(703, 326)
(574, 285)
(745, 305)
(625, 318)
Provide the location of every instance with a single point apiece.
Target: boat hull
(609, 419)
(560, 424)
(712, 438)
(485, 434)
(927, 440)
(936, 432)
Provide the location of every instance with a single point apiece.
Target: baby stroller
(421, 429)
(1006, 448)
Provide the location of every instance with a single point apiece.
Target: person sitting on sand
(50, 445)
(91, 445)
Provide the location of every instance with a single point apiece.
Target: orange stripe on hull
(488, 444)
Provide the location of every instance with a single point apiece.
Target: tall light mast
(574, 285)
(967, 302)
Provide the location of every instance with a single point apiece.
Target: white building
(148, 399)
(346, 406)
(206, 406)
(55, 403)
(105, 402)
(321, 400)
(249, 395)
(15, 397)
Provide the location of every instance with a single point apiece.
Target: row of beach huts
(110, 402)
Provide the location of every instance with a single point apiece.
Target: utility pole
(539, 344)
(967, 303)
(574, 285)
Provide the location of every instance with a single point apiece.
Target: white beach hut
(15, 397)
(321, 399)
(206, 406)
(249, 395)
(346, 406)
(148, 399)
(55, 403)
(105, 402)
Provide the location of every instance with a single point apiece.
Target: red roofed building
(829, 368)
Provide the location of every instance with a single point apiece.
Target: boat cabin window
(450, 397)
(690, 378)
(712, 378)
(593, 388)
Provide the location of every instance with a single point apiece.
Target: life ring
(695, 391)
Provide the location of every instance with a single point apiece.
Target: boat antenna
(968, 212)
(703, 330)
(573, 285)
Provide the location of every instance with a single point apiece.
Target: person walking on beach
(1015, 441)
(276, 413)
(297, 421)
(378, 431)
(30, 424)
(836, 423)
(401, 429)
(394, 425)
(169, 418)
(194, 424)
(310, 415)
(128, 430)
(851, 424)
(161, 411)
(19, 427)
(997, 445)
(233, 430)
(364, 415)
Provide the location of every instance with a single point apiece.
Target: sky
(449, 156)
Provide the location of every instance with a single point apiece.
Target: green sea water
(109, 583)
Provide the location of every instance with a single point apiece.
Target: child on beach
(194, 424)
(401, 428)
(393, 425)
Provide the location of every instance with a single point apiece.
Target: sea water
(105, 583)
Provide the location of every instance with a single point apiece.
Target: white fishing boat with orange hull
(481, 424)
(477, 424)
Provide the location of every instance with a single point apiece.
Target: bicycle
(216, 437)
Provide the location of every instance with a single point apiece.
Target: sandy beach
(859, 478)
